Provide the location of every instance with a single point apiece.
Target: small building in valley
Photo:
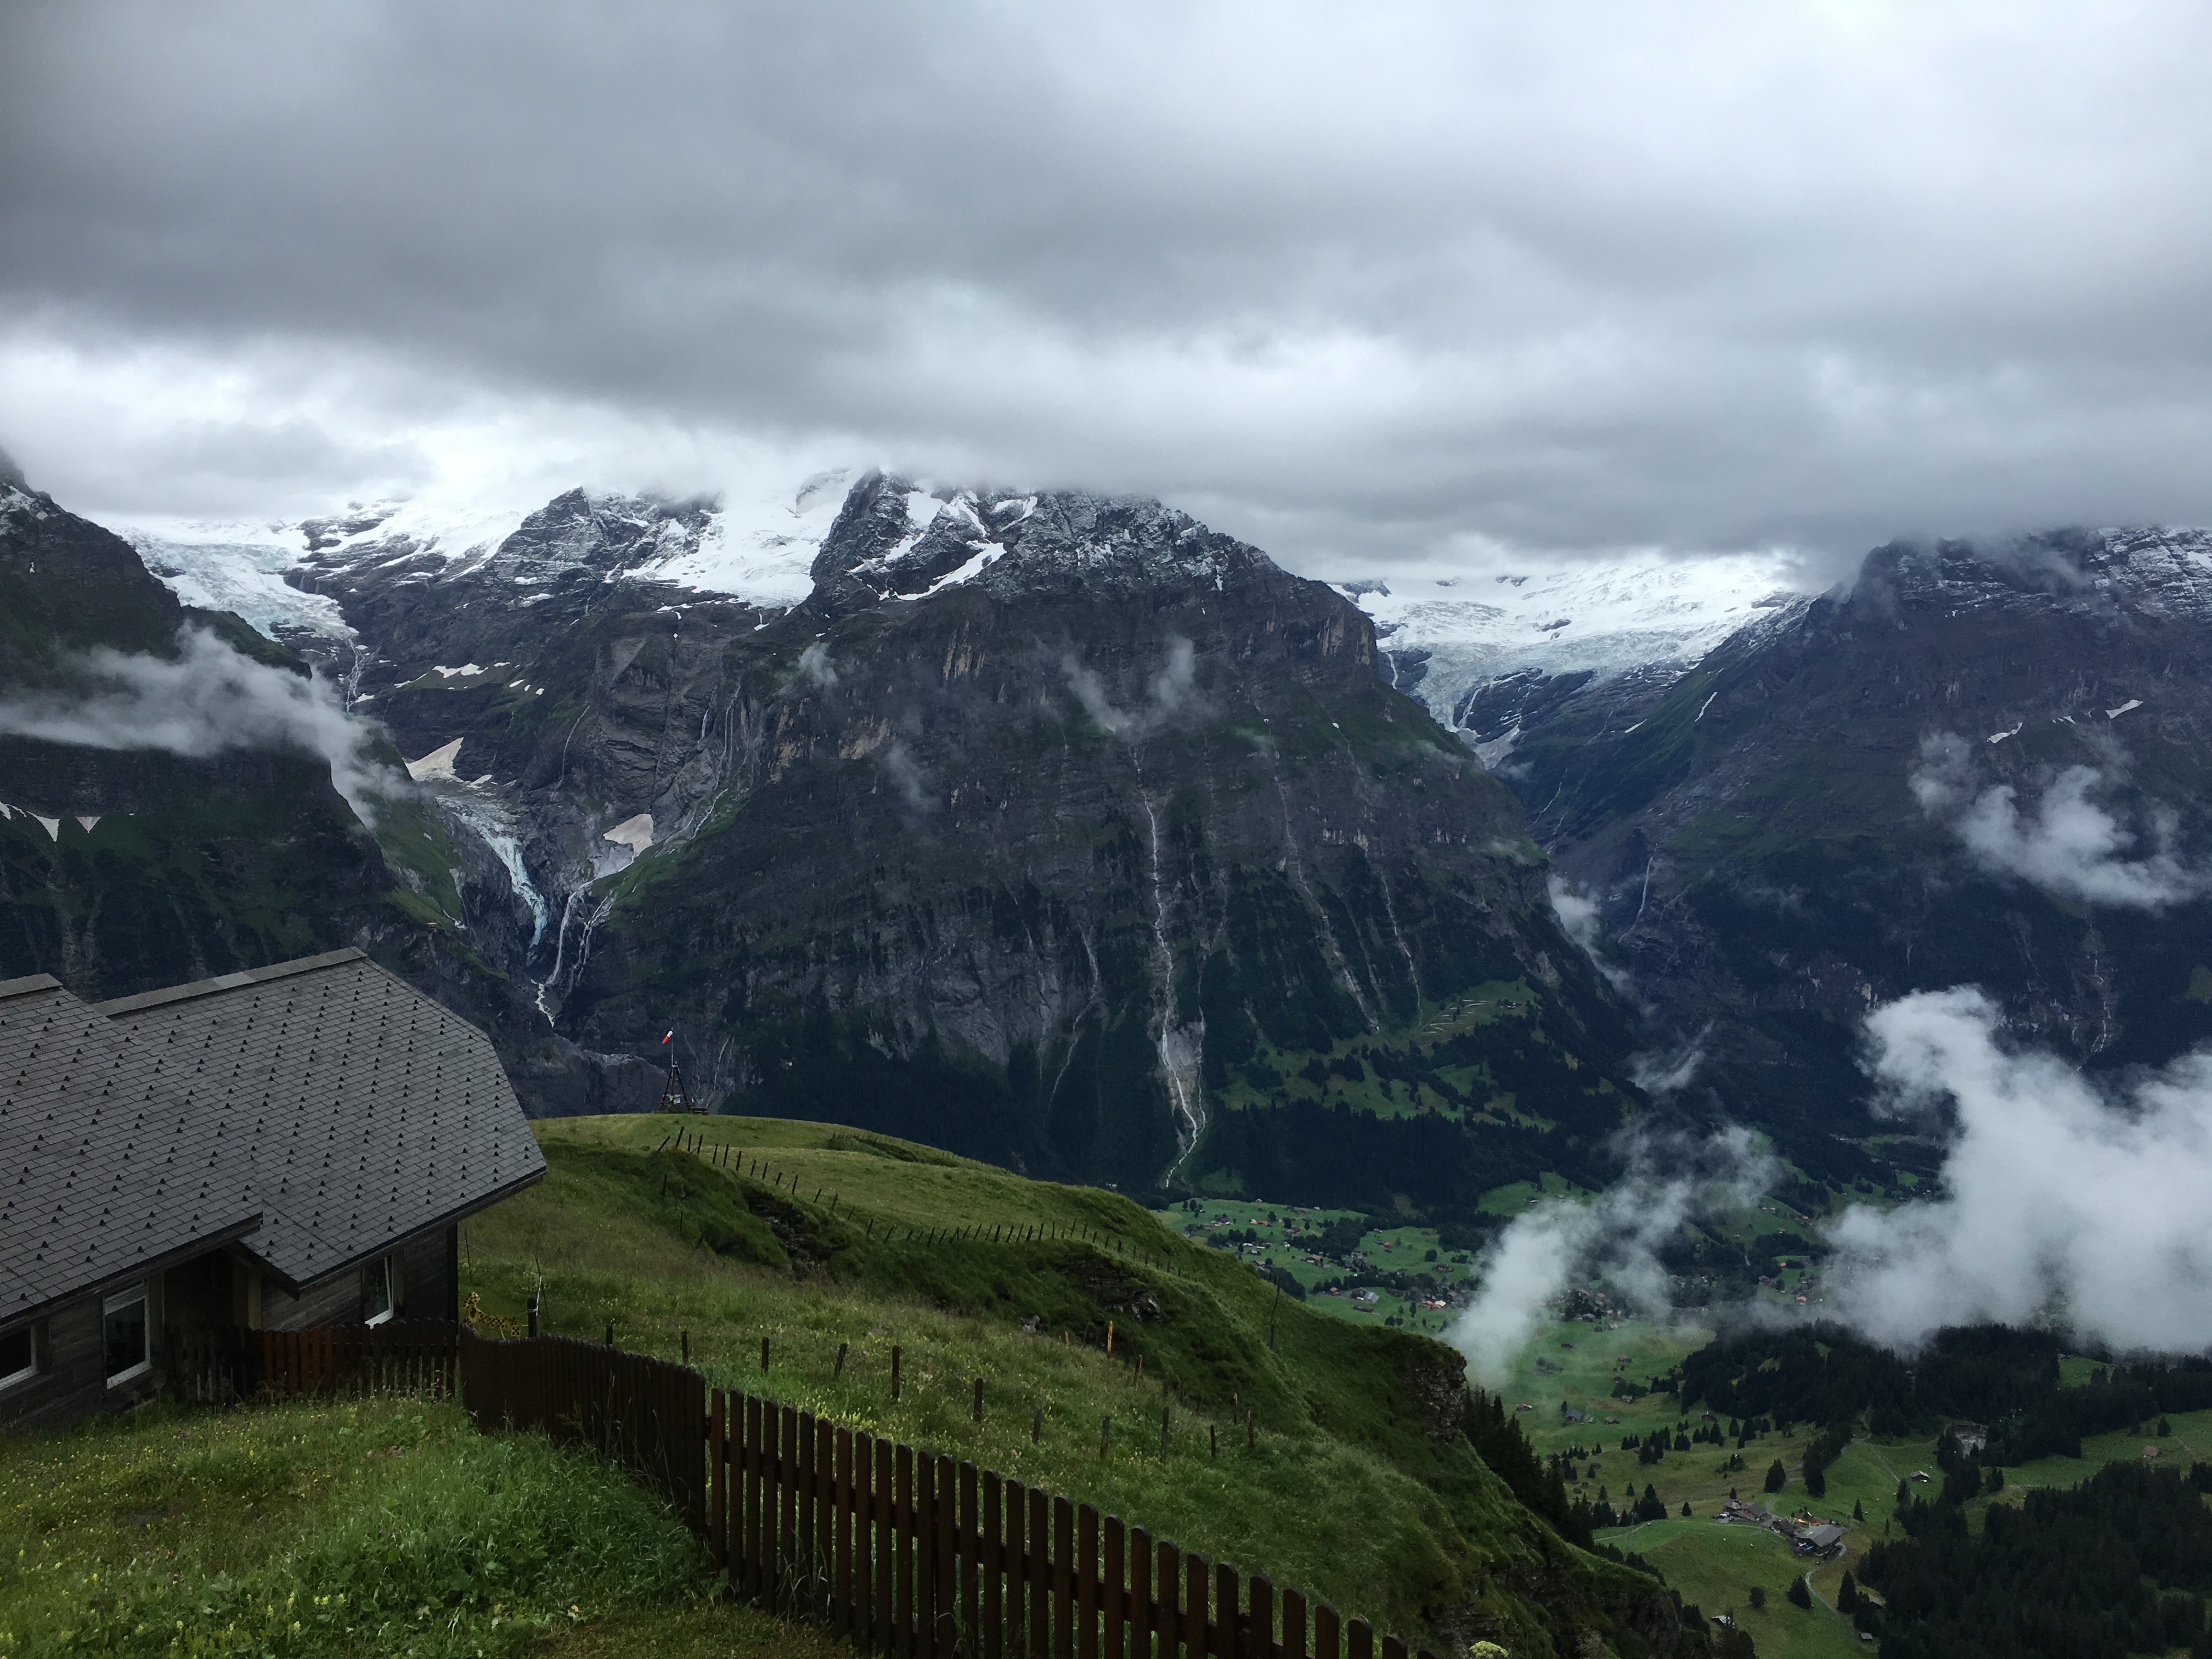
(284, 1148)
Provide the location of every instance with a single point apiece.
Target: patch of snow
(85, 822)
(759, 545)
(1999, 737)
(438, 763)
(2114, 713)
(1609, 619)
(986, 556)
(634, 833)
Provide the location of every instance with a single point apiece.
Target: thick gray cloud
(1354, 282)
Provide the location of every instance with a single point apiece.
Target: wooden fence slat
(1086, 1582)
(1040, 1586)
(1224, 1612)
(1141, 1623)
(1359, 1640)
(717, 1538)
(749, 1483)
(920, 1521)
(947, 1500)
(1294, 1645)
(790, 1542)
(1393, 1647)
(824, 1571)
(1259, 1637)
(902, 1546)
(1169, 1625)
(1194, 1644)
(994, 1566)
(1114, 1581)
(841, 1587)
(886, 1604)
(971, 1535)
(1063, 1566)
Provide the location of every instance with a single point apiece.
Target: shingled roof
(317, 1111)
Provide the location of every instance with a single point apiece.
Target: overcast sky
(1374, 285)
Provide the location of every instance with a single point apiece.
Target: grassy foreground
(380, 1527)
(1298, 1443)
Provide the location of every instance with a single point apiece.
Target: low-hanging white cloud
(1172, 692)
(2065, 842)
(209, 700)
(1615, 1237)
(2064, 1197)
(1579, 919)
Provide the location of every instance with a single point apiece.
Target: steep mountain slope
(1060, 830)
(132, 857)
(1985, 766)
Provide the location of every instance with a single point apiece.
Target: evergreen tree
(1777, 1476)
(1798, 1595)
(1847, 1595)
(1757, 1597)
(1685, 1509)
(1858, 1511)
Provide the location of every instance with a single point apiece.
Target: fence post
(1224, 1612)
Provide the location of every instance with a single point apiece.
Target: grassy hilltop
(1354, 1484)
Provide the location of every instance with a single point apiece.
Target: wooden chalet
(288, 1147)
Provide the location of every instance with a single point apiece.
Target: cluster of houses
(1807, 1534)
(286, 1148)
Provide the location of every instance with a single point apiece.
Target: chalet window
(20, 1354)
(376, 1290)
(123, 1326)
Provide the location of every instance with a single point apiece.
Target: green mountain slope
(1357, 1483)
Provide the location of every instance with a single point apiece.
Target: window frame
(143, 1294)
(35, 1332)
(382, 1264)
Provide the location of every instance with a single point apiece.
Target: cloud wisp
(211, 699)
(1173, 691)
(1615, 1237)
(2065, 1199)
(2065, 842)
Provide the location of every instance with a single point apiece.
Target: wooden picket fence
(401, 1356)
(649, 1415)
(899, 1552)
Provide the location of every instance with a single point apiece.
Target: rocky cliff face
(132, 859)
(1974, 766)
(1056, 828)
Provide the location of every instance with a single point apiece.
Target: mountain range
(1065, 831)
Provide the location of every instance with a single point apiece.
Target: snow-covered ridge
(756, 548)
(1442, 637)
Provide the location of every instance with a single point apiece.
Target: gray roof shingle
(322, 1108)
